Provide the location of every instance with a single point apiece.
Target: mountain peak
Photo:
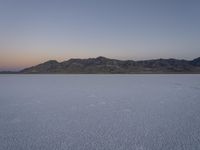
(51, 61)
(101, 58)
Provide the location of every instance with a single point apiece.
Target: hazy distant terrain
(99, 112)
(103, 65)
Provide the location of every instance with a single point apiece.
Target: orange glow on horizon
(16, 60)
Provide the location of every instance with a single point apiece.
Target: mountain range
(103, 65)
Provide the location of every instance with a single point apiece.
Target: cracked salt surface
(101, 112)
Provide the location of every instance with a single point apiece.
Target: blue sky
(33, 31)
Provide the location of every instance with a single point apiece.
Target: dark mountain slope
(196, 62)
(51, 66)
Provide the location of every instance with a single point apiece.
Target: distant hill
(9, 72)
(103, 65)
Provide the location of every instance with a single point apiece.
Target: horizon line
(20, 68)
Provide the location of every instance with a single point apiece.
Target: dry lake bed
(99, 112)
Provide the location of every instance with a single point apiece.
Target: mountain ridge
(103, 65)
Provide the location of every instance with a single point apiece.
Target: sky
(34, 31)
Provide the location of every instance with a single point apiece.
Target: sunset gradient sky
(33, 31)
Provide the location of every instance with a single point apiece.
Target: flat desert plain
(99, 112)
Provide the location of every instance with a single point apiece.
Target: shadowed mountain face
(106, 65)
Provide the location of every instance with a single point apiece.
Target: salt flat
(99, 112)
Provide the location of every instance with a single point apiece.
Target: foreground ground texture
(99, 112)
